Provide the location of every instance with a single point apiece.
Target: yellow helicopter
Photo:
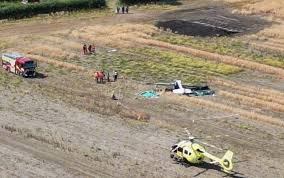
(193, 153)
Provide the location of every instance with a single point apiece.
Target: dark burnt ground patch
(195, 28)
(210, 21)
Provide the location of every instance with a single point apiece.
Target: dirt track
(55, 162)
(44, 27)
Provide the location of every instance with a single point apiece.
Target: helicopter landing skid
(180, 161)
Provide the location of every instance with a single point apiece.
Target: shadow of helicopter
(40, 75)
(207, 166)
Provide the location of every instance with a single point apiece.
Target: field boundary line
(218, 106)
(252, 101)
(257, 92)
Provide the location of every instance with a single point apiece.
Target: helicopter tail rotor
(226, 161)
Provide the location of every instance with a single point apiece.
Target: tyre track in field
(43, 152)
(42, 27)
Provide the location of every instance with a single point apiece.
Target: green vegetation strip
(9, 80)
(152, 65)
(17, 10)
(224, 46)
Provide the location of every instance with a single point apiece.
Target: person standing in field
(115, 76)
(126, 9)
(85, 51)
(108, 77)
(122, 9)
(117, 9)
(90, 48)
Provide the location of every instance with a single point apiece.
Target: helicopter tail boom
(226, 162)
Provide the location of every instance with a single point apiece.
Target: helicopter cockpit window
(174, 148)
(180, 149)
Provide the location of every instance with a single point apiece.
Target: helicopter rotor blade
(191, 137)
(188, 133)
(202, 172)
(240, 161)
(207, 144)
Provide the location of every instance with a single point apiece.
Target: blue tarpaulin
(149, 94)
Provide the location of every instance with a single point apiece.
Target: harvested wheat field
(62, 123)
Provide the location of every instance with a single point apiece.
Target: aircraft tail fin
(226, 161)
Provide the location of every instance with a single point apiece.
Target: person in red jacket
(99, 76)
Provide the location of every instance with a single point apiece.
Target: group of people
(91, 49)
(122, 9)
(100, 76)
